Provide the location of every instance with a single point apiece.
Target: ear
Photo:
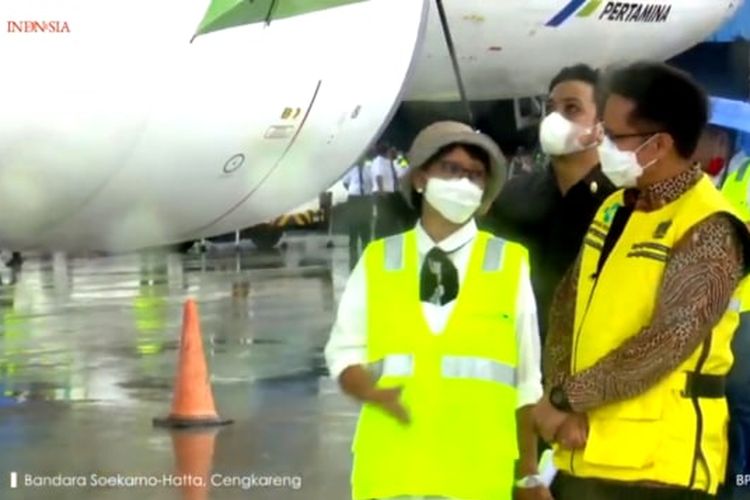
(419, 180)
(664, 142)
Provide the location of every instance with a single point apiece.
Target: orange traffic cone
(193, 402)
(194, 455)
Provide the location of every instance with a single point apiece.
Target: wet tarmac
(88, 352)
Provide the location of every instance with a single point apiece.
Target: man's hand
(390, 401)
(574, 432)
(548, 419)
(538, 493)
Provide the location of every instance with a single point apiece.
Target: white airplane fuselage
(119, 134)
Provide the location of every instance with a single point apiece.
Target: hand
(548, 419)
(538, 493)
(390, 401)
(574, 432)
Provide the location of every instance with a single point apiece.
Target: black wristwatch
(559, 399)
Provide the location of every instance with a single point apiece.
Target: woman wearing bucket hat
(437, 336)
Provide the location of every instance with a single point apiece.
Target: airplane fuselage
(117, 133)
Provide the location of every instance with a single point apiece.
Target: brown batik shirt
(703, 271)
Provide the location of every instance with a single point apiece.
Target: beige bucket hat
(440, 134)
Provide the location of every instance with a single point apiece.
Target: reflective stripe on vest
(453, 367)
(394, 253)
(735, 305)
(493, 255)
(393, 365)
(468, 367)
(742, 171)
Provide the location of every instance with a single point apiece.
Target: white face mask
(621, 167)
(455, 199)
(560, 136)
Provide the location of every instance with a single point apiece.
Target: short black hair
(666, 99)
(577, 73)
(381, 148)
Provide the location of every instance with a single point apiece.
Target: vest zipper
(574, 354)
(698, 455)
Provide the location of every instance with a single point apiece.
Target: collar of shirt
(662, 193)
(450, 244)
(593, 183)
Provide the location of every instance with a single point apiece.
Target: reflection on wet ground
(88, 348)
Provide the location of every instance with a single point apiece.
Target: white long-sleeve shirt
(347, 345)
(384, 168)
(354, 187)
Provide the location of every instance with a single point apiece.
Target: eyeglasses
(455, 170)
(614, 137)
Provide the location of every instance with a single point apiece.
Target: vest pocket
(627, 434)
(623, 443)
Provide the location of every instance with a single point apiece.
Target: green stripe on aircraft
(223, 14)
(589, 8)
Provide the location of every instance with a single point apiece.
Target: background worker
(359, 209)
(549, 211)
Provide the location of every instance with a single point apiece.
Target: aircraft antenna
(270, 12)
(454, 61)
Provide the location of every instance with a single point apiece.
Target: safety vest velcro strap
(699, 385)
(469, 367)
(393, 365)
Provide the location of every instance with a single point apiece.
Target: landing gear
(184, 248)
(264, 236)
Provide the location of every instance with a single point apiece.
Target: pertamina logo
(636, 12)
(624, 12)
(38, 27)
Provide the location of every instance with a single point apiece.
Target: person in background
(639, 344)
(436, 335)
(400, 161)
(521, 164)
(359, 209)
(714, 152)
(738, 400)
(549, 211)
(388, 202)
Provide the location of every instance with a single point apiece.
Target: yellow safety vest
(736, 188)
(663, 435)
(459, 386)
